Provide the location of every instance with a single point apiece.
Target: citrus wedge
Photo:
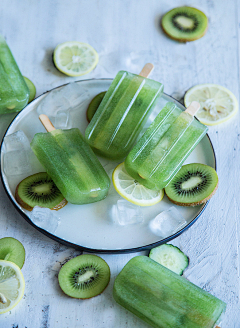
(75, 58)
(132, 190)
(12, 285)
(218, 104)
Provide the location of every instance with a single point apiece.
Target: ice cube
(45, 218)
(16, 154)
(63, 120)
(74, 94)
(59, 103)
(125, 213)
(167, 223)
(17, 162)
(15, 141)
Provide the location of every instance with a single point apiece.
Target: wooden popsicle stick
(147, 69)
(193, 108)
(46, 122)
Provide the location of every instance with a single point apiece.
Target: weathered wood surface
(126, 34)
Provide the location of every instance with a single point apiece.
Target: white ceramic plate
(91, 227)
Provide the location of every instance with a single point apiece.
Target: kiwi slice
(84, 276)
(185, 24)
(194, 184)
(39, 190)
(32, 89)
(12, 250)
(94, 104)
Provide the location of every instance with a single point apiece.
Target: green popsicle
(164, 299)
(14, 93)
(161, 151)
(121, 114)
(72, 165)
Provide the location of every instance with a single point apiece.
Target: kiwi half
(185, 24)
(94, 104)
(39, 190)
(194, 184)
(84, 276)
(12, 250)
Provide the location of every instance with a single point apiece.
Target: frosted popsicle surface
(121, 114)
(161, 151)
(72, 165)
(14, 93)
(164, 299)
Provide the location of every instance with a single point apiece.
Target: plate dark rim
(92, 250)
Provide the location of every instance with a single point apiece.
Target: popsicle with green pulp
(122, 114)
(164, 299)
(14, 93)
(161, 151)
(71, 163)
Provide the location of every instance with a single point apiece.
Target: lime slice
(75, 58)
(132, 190)
(12, 285)
(31, 88)
(218, 104)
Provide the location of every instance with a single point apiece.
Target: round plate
(92, 227)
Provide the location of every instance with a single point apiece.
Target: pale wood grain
(127, 35)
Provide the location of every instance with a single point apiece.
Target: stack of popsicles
(153, 161)
(14, 93)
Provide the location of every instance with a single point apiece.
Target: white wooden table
(126, 34)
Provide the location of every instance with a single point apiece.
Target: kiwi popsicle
(72, 164)
(161, 151)
(121, 114)
(14, 93)
(164, 299)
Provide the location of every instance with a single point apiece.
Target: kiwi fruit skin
(25, 187)
(175, 33)
(12, 250)
(93, 272)
(201, 196)
(94, 104)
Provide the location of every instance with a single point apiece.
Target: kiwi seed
(39, 190)
(184, 24)
(94, 104)
(84, 276)
(193, 185)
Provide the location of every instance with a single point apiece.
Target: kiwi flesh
(39, 190)
(84, 276)
(32, 89)
(12, 250)
(194, 184)
(185, 24)
(94, 104)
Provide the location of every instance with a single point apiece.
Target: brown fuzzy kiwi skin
(184, 40)
(30, 208)
(203, 201)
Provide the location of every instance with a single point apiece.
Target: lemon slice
(132, 190)
(12, 285)
(218, 104)
(75, 58)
